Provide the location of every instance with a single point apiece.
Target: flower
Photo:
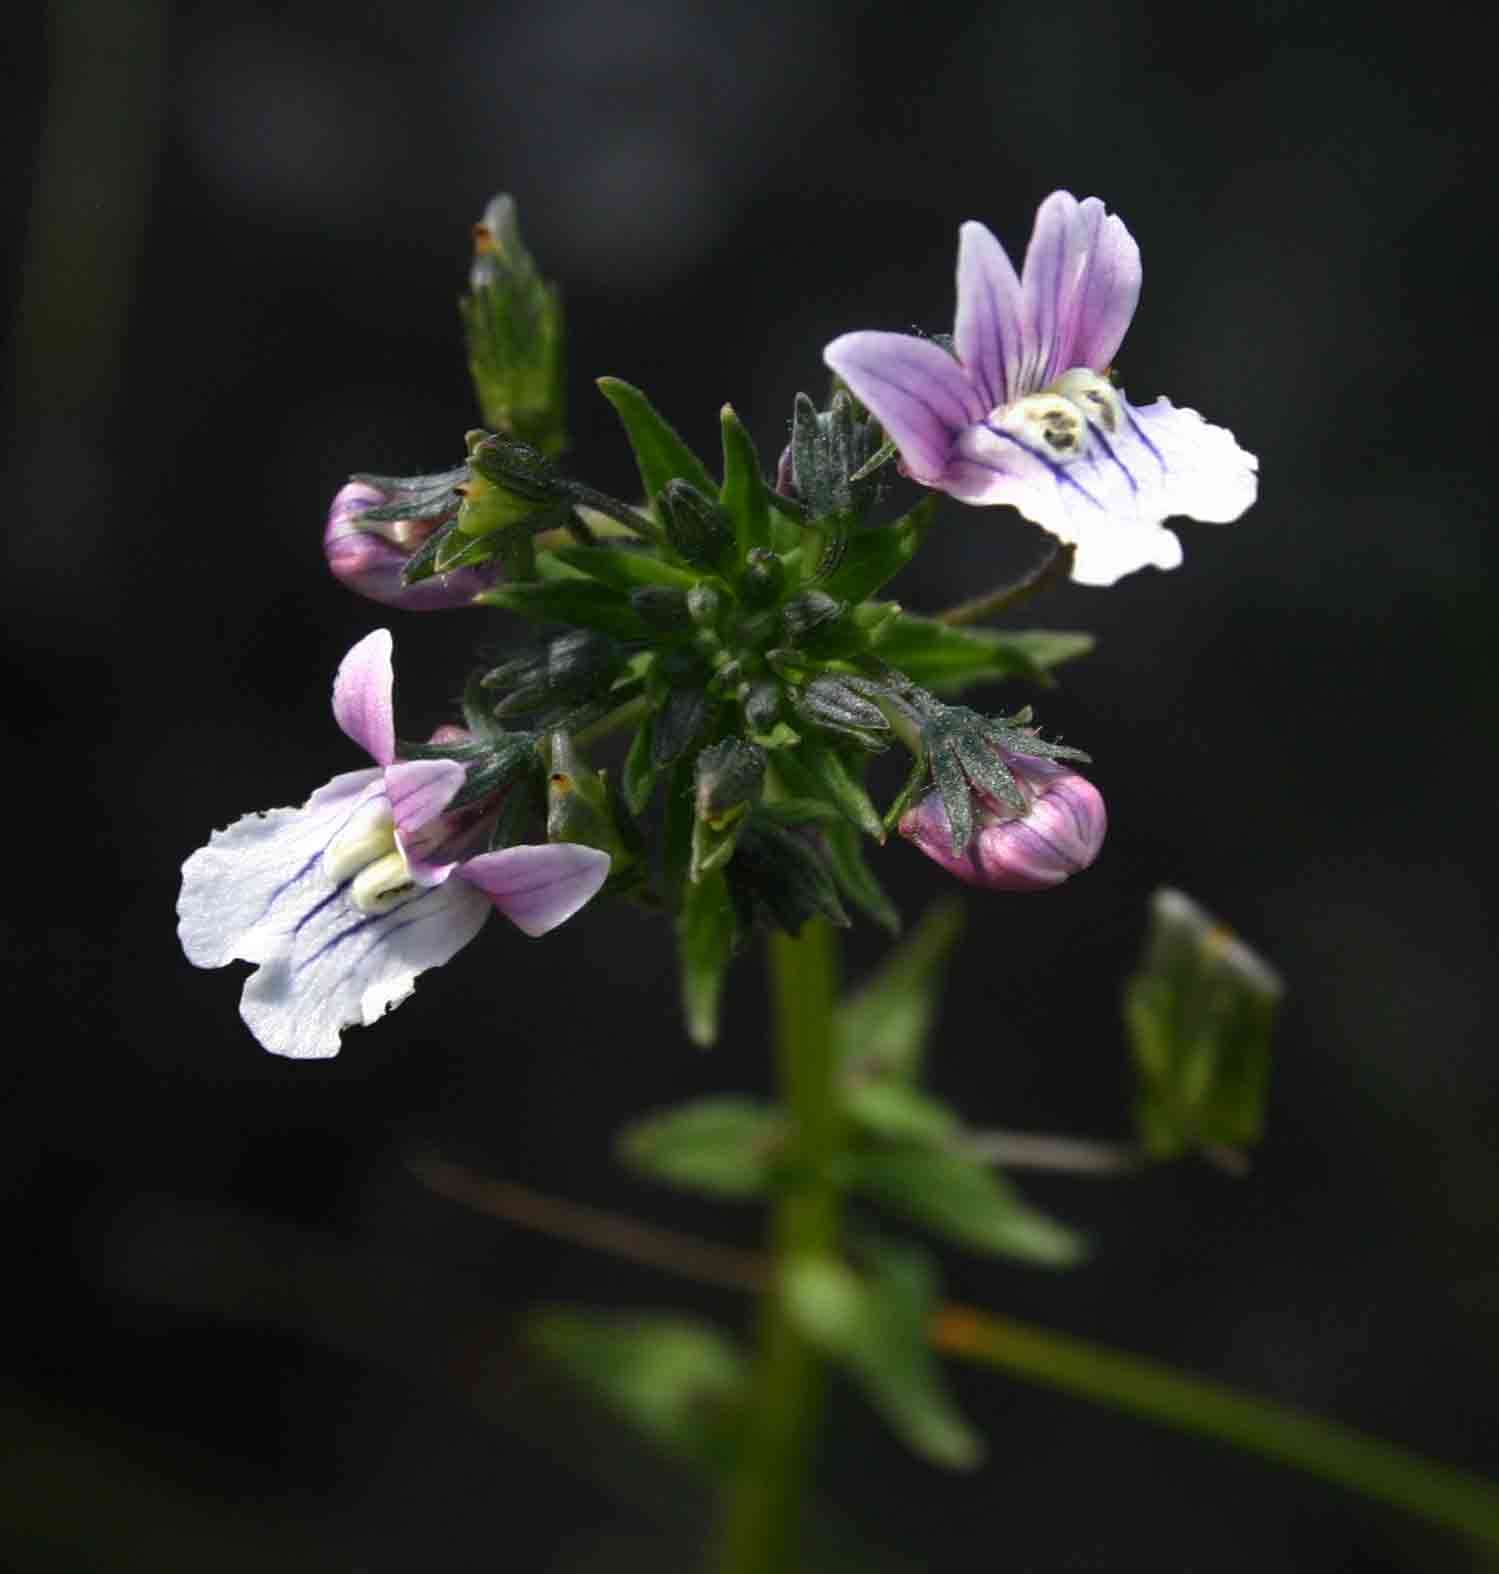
(1022, 411)
(342, 902)
(1057, 833)
(370, 555)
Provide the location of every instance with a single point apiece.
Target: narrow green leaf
(871, 558)
(743, 493)
(875, 1327)
(725, 1146)
(679, 1381)
(581, 602)
(944, 658)
(817, 770)
(661, 455)
(884, 1027)
(706, 932)
(845, 856)
(639, 775)
(625, 568)
(965, 1201)
(900, 1113)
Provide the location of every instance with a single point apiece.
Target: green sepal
(743, 492)
(706, 936)
(1200, 1013)
(874, 1325)
(871, 558)
(816, 770)
(660, 454)
(723, 1146)
(884, 1028)
(947, 659)
(680, 1382)
(965, 1201)
(624, 568)
(456, 550)
(678, 723)
(422, 564)
(580, 807)
(582, 602)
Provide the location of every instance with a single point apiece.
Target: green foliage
(625, 568)
(584, 603)
(724, 1146)
(871, 558)
(706, 935)
(965, 1201)
(874, 1325)
(1199, 1013)
(679, 1381)
(744, 493)
(946, 659)
(660, 454)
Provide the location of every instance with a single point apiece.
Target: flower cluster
(732, 624)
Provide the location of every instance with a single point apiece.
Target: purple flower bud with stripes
(370, 555)
(1056, 835)
(343, 902)
(1021, 410)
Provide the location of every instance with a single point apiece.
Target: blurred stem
(758, 1534)
(1056, 565)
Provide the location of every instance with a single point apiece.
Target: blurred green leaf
(624, 567)
(946, 659)
(965, 1201)
(845, 857)
(1199, 1013)
(638, 779)
(883, 1028)
(681, 1382)
(898, 1112)
(584, 603)
(661, 455)
(817, 770)
(724, 1145)
(874, 1326)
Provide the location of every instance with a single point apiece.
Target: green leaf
(851, 871)
(875, 1327)
(944, 658)
(1200, 1013)
(725, 1146)
(625, 568)
(816, 770)
(661, 455)
(871, 558)
(706, 932)
(900, 1113)
(580, 602)
(743, 493)
(639, 777)
(883, 1029)
(968, 1203)
(679, 1381)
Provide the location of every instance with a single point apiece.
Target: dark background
(243, 1333)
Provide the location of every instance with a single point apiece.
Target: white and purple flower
(343, 902)
(1022, 411)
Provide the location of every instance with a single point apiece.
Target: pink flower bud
(369, 556)
(1059, 833)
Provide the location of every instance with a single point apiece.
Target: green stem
(1056, 565)
(759, 1530)
(1145, 1388)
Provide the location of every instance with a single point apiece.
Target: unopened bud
(699, 530)
(1058, 833)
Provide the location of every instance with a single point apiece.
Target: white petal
(338, 967)
(236, 890)
(1110, 503)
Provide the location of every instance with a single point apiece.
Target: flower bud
(509, 483)
(370, 554)
(1057, 834)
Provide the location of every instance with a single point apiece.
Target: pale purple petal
(917, 391)
(238, 891)
(1110, 502)
(363, 696)
(538, 887)
(1080, 284)
(337, 967)
(372, 566)
(989, 330)
(419, 792)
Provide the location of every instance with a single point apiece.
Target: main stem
(763, 1510)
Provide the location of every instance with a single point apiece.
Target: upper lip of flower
(982, 421)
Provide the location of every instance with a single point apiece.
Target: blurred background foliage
(243, 1332)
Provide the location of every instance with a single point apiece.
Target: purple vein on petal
(1059, 472)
